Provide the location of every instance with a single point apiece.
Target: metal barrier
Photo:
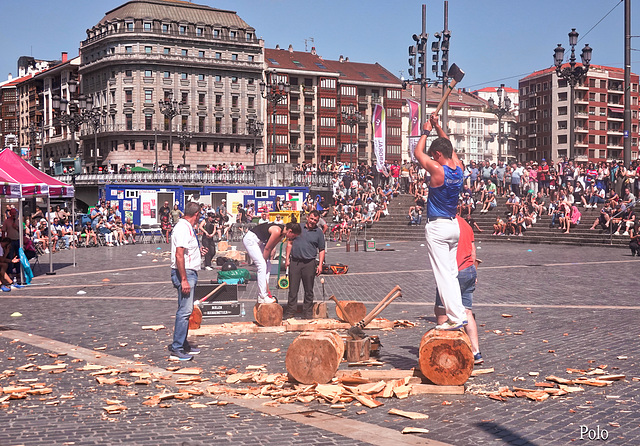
(233, 177)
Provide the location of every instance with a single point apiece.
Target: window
(184, 126)
(234, 101)
(250, 81)
(251, 102)
(234, 57)
(128, 49)
(346, 90)
(201, 98)
(147, 26)
(201, 54)
(148, 49)
(128, 96)
(128, 73)
(167, 51)
(165, 27)
(183, 29)
(148, 96)
(328, 102)
(233, 34)
(249, 36)
(183, 76)
(218, 125)
(328, 83)
(129, 26)
(148, 121)
(129, 121)
(216, 33)
(218, 55)
(394, 94)
(166, 75)
(201, 124)
(218, 78)
(250, 58)
(201, 77)
(166, 124)
(234, 79)
(185, 52)
(185, 97)
(199, 31)
(148, 73)
(218, 100)
(562, 139)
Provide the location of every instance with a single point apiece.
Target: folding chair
(145, 232)
(156, 231)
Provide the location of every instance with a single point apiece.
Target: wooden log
(268, 315)
(445, 357)
(356, 311)
(357, 349)
(320, 310)
(314, 357)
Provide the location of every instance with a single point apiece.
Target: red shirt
(465, 244)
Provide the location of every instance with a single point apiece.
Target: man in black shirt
(300, 259)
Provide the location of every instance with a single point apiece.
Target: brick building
(598, 116)
(308, 122)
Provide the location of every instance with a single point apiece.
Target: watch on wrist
(426, 132)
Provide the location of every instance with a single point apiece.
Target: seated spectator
(570, 219)
(604, 218)
(499, 226)
(628, 221)
(513, 203)
(512, 226)
(489, 202)
(264, 218)
(129, 231)
(634, 242)
(473, 224)
(628, 199)
(7, 263)
(467, 206)
(415, 215)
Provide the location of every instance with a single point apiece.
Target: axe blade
(455, 73)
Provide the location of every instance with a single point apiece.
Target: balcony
(295, 128)
(309, 109)
(309, 148)
(309, 91)
(309, 128)
(294, 108)
(294, 148)
(580, 129)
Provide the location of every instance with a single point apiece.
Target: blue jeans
(185, 308)
(467, 280)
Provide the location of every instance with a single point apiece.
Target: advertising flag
(379, 137)
(414, 127)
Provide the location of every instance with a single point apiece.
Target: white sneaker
(266, 300)
(46, 251)
(616, 233)
(626, 233)
(208, 268)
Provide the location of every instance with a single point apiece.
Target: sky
(493, 41)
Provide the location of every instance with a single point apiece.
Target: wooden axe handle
(371, 316)
(395, 288)
(212, 292)
(445, 96)
(344, 313)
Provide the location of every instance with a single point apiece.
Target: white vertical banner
(379, 137)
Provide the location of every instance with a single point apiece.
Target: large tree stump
(445, 357)
(356, 311)
(268, 315)
(314, 357)
(320, 310)
(357, 350)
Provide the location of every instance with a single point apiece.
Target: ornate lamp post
(184, 136)
(170, 108)
(350, 116)
(500, 111)
(274, 93)
(69, 113)
(574, 75)
(94, 117)
(34, 135)
(254, 128)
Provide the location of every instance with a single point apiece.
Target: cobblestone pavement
(570, 306)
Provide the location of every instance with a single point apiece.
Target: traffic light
(444, 46)
(435, 48)
(412, 60)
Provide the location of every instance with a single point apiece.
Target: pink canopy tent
(19, 179)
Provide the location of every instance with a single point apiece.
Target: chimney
(313, 50)
(290, 48)
(64, 56)
(341, 58)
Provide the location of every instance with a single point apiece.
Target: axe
(356, 331)
(456, 75)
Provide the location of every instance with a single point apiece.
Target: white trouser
(255, 248)
(442, 243)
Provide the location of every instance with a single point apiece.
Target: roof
(33, 181)
(355, 72)
(494, 89)
(457, 99)
(175, 10)
(16, 81)
(553, 69)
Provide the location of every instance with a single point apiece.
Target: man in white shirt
(185, 263)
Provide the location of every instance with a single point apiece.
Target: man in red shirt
(467, 277)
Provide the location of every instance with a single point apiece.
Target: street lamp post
(350, 116)
(254, 128)
(170, 108)
(274, 93)
(184, 136)
(34, 134)
(574, 75)
(70, 112)
(94, 117)
(500, 111)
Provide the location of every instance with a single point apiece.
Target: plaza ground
(570, 306)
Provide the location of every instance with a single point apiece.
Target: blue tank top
(443, 200)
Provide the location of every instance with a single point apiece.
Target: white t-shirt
(184, 236)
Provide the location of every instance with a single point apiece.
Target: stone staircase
(395, 227)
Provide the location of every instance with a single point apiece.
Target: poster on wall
(114, 192)
(149, 203)
(295, 200)
(120, 195)
(264, 205)
(128, 215)
(126, 205)
(134, 205)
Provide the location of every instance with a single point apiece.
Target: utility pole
(422, 64)
(446, 34)
(627, 83)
